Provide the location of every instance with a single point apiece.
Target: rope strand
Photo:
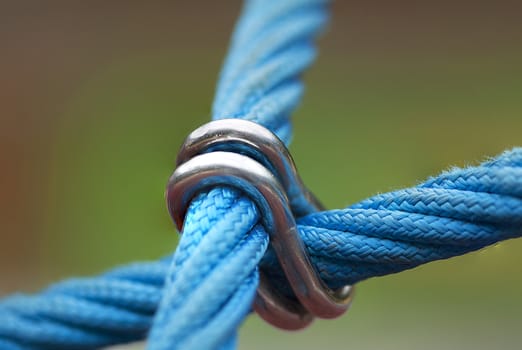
(384, 234)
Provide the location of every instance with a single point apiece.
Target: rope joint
(250, 158)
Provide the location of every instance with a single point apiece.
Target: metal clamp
(248, 157)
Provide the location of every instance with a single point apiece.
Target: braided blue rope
(199, 297)
(384, 234)
(457, 212)
(271, 47)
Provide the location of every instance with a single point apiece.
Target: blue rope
(198, 297)
(457, 212)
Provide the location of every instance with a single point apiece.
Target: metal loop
(266, 180)
(253, 140)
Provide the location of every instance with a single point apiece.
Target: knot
(250, 158)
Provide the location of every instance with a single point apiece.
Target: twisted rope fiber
(384, 234)
(199, 297)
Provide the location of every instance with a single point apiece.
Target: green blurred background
(96, 96)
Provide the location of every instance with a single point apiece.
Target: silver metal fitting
(250, 158)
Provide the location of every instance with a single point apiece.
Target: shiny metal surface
(251, 139)
(266, 178)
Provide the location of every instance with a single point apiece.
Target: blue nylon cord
(198, 297)
(271, 47)
(384, 234)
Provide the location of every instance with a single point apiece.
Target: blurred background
(96, 97)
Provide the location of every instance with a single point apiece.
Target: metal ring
(251, 139)
(197, 172)
(259, 143)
